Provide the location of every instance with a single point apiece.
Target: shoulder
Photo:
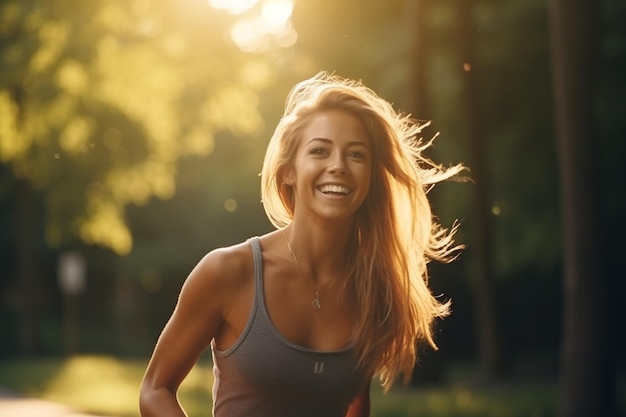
(223, 268)
(216, 278)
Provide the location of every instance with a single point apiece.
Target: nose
(337, 165)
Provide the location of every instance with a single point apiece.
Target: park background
(131, 138)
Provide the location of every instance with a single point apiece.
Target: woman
(302, 318)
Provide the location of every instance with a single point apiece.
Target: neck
(320, 253)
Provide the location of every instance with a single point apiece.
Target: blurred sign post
(72, 283)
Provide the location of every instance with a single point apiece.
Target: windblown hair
(386, 290)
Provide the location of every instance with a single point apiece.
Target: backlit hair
(386, 290)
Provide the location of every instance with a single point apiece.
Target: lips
(334, 189)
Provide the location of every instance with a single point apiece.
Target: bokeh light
(262, 30)
(230, 205)
(233, 6)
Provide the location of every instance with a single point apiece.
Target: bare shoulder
(222, 270)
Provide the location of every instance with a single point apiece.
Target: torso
(288, 297)
(274, 355)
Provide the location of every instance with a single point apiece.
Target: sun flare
(233, 6)
(258, 28)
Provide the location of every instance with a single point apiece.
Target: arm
(360, 406)
(195, 321)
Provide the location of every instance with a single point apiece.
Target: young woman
(301, 319)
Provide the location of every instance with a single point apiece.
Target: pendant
(316, 304)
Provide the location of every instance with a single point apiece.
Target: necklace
(316, 303)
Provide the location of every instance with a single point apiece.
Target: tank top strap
(257, 257)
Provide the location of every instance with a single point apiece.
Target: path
(14, 405)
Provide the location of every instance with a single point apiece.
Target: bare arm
(195, 321)
(360, 407)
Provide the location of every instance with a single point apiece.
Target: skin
(217, 296)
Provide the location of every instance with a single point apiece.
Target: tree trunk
(27, 268)
(430, 366)
(418, 101)
(491, 361)
(587, 382)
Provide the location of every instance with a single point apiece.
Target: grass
(536, 400)
(106, 385)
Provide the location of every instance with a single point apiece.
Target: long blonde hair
(386, 290)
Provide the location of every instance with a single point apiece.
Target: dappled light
(198, 142)
(53, 38)
(72, 77)
(136, 184)
(233, 108)
(19, 143)
(75, 136)
(104, 226)
(153, 87)
(117, 94)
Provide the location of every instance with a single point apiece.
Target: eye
(318, 151)
(359, 155)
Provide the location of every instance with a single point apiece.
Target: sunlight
(53, 40)
(276, 14)
(233, 6)
(248, 34)
(74, 138)
(12, 142)
(94, 382)
(105, 226)
(258, 31)
(72, 77)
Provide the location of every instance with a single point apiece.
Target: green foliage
(371, 40)
(511, 69)
(141, 122)
(366, 40)
(100, 99)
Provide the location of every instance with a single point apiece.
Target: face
(332, 167)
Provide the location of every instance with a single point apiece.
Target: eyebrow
(351, 143)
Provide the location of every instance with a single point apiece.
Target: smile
(334, 189)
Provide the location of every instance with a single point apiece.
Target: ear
(289, 177)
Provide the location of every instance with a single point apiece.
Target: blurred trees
(587, 376)
(99, 101)
(95, 101)
(111, 104)
(489, 340)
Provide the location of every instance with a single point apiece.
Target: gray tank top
(265, 375)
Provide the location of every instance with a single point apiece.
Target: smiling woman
(300, 320)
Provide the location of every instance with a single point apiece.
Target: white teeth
(333, 188)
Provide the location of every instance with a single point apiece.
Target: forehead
(335, 125)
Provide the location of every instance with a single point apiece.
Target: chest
(290, 306)
(278, 371)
